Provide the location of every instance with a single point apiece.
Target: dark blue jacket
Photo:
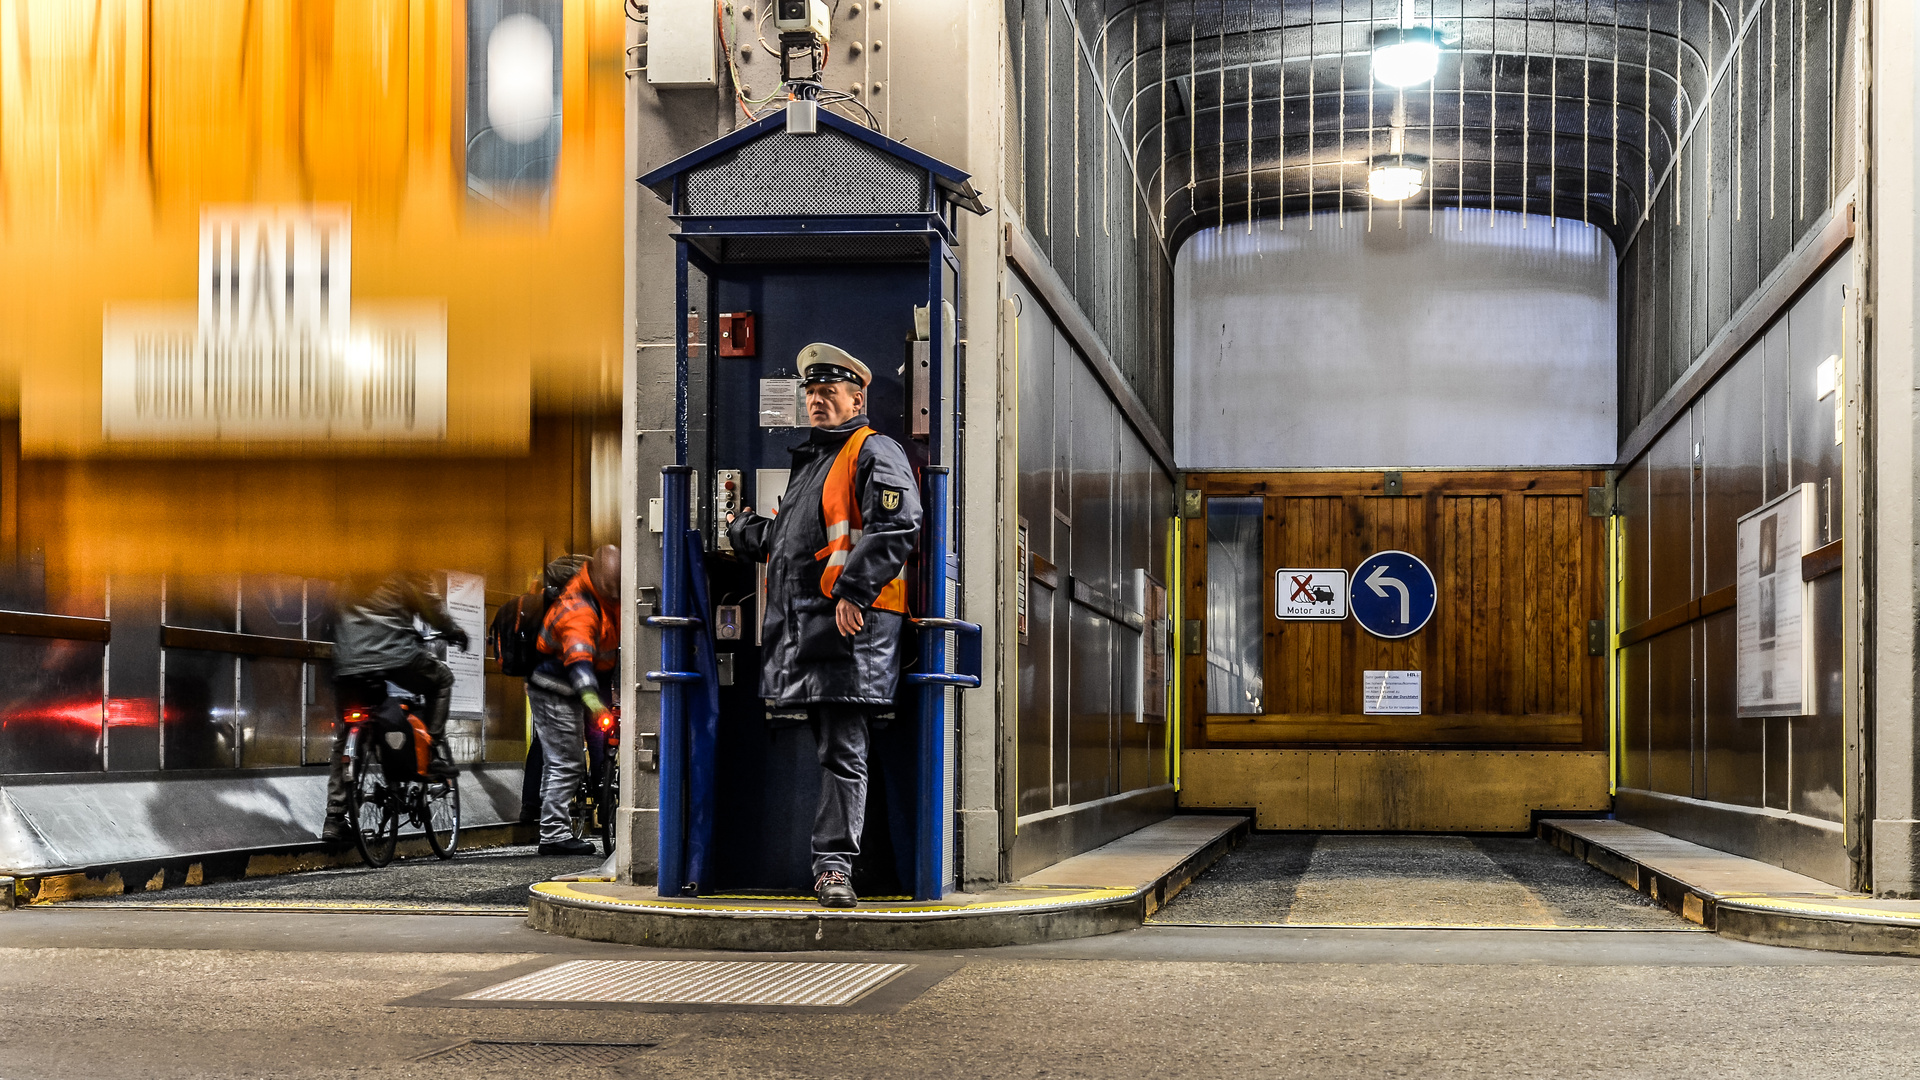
(807, 659)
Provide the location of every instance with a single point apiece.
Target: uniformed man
(836, 594)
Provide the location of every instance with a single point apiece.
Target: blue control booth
(803, 227)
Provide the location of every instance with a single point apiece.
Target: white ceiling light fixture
(1396, 177)
(1405, 55)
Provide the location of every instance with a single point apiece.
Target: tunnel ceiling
(1238, 108)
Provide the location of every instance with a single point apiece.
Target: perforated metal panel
(827, 173)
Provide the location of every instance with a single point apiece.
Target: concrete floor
(137, 990)
(1304, 879)
(493, 879)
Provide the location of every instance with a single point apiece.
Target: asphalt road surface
(156, 993)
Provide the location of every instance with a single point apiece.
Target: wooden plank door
(1504, 662)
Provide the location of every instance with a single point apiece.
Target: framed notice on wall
(1771, 599)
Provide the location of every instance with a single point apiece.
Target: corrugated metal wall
(1071, 124)
(1767, 144)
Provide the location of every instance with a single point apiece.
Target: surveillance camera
(802, 17)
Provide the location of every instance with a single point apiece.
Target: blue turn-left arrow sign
(1392, 594)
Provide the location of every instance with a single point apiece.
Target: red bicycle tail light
(607, 721)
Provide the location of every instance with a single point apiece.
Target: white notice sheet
(1392, 693)
(467, 603)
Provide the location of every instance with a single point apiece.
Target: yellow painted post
(1615, 566)
(1176, 610)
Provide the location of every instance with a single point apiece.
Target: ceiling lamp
(1405, 55)
(1396, 177)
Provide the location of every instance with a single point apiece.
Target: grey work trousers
(840, 732)
(560, 723)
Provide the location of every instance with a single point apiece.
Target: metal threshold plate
(695, 982)
(485, 1052)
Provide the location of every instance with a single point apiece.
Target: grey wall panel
(1670, 712)
(1775, 395)
(1733, 748)
(1065, 361)
(271, 712)
(1037, 436)
(1819, 746)
(51, 719)
(1035, 735)
(1634, 498)
(1779, 772)
(1090, 697)
(1095, 467)
(1670, 519)
(1093, 499)
(1745, 124)
(1720, 211)
(1814, 336)
(1159, 510)
(1730, 472)
(66, 826)
(1061, 733)
(1635, 699)
(1137, 518)
(1396, 346)
(133, 673)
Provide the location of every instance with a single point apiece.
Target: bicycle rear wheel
(440, 813)
(371, 807)
(608, 804)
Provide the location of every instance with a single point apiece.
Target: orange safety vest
(840, 507)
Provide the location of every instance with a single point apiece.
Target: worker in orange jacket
(571, 691)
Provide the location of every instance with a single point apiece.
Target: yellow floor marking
(1808, 907)
(562, 890)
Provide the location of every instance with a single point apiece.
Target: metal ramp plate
(695, 982)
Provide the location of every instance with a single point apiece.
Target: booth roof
(951, 181)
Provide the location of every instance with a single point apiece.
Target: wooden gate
(1513, 668)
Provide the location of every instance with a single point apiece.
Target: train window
(513, 100)
(1235, 566)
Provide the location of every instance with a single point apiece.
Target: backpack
(514, 635)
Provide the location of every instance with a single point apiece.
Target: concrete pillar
(1889, 238)
(661, 126)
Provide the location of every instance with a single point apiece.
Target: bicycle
(595, 803)
(386, 780)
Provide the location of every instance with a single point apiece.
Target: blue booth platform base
(1108, 889)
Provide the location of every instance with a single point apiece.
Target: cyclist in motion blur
(378, 640)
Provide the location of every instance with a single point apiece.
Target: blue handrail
(967, 660)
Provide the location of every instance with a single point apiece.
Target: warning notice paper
(1391, 693)
(467, 604)
(783, 404)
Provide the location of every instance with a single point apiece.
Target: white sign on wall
(1774, 652)
(1390, 693)
(275, 348)
(467, 605)
(1310, 594)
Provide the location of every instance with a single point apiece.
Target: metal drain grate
(695, 982)
(485, 1052)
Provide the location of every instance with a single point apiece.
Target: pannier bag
(403, 742)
